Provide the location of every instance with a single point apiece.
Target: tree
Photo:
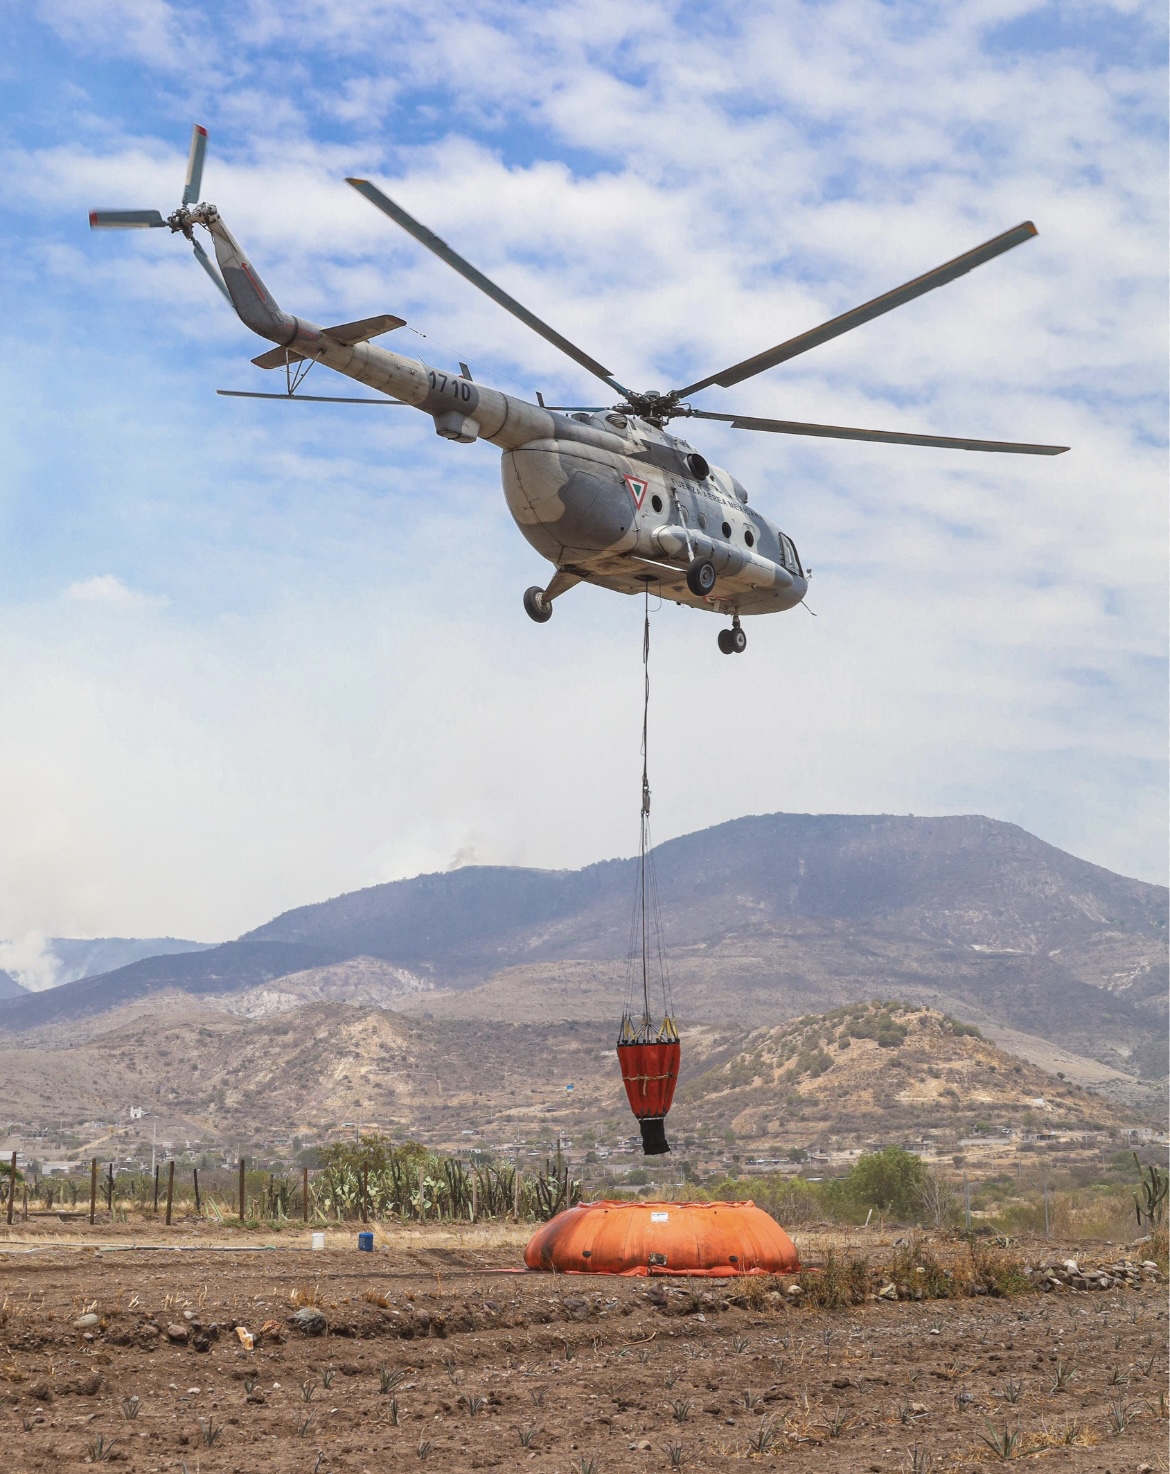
(937, 1200)
(889, 1180)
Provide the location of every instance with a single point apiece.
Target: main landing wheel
(732, 641)
(536, 605)
(701, 577)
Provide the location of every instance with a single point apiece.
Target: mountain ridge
(766, 916)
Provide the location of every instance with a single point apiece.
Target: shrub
(890, 1181)
(837, 1284)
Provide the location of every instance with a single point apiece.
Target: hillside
(836, 1083)
(767, 918)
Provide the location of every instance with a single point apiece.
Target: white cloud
(106, 588)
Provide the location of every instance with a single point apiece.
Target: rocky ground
(220, 1354)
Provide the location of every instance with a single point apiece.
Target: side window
(791, 561)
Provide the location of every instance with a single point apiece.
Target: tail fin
(255, 305)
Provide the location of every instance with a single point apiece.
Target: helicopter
(606, 493)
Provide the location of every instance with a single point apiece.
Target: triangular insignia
(638, 489)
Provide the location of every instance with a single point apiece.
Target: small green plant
(1121, 1414)
(589, 1464)
(327, 1377)
(670, 1378)
(392, 1411)
(919, 1460)
(1063, 1375)
(473, 1403)
(250, 1385)
(837, 1423)
(644, 1354)
(308, 1387)
(674, 1452)
(681, 1409)
(130, 1406)
(1116, 1378)
(1145, 1365)
(302, 1425)
(753, 1401)
(424, 1447)
(739, 1344)
(99, 1449)
(527, 1434)
(1012, 1391)
(763, 1440)
(388, 1380)
(210, 1431)
(570, 1350)
(1004, 1442)
(537, 1394)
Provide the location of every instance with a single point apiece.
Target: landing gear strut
(732, 641)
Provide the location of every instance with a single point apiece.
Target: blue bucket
(366, 1243)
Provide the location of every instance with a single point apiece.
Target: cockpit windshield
(791, 559)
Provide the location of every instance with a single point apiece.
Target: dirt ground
(433, 1349)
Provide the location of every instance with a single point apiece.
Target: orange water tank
(663, 1238)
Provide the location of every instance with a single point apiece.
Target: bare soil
(598, 1373)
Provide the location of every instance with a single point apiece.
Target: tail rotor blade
(195, 165)
(125, 219)
(205, 261)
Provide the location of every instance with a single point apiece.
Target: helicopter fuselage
(607, 497)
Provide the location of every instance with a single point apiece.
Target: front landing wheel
(536, 606)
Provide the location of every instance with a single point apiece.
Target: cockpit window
(619, 422)
(791, 561)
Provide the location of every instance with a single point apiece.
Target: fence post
(243, 1204)
(170, 1188)
(516, 1192)
(156, 1187)
(365, 1193)
(92, 1190)
(110, 1191)
(195, 1173)
(967, 1201)
(305, 1196)
(12, 1190)
(474, 1196)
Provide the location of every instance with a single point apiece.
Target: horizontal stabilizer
(348, 333)
(368, 327)
(277, 358)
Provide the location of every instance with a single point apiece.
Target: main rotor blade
(124, 219)
(444, 252)
(194, 179)
(308, 398)
(884, 437)
(204, 260)
(866, 312)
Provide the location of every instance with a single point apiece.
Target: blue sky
(256, 654)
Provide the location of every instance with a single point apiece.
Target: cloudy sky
(256, 654)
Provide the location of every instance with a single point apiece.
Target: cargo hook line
(646, 928)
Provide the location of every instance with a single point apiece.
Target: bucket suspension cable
(647, 952)
(648, 1052)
